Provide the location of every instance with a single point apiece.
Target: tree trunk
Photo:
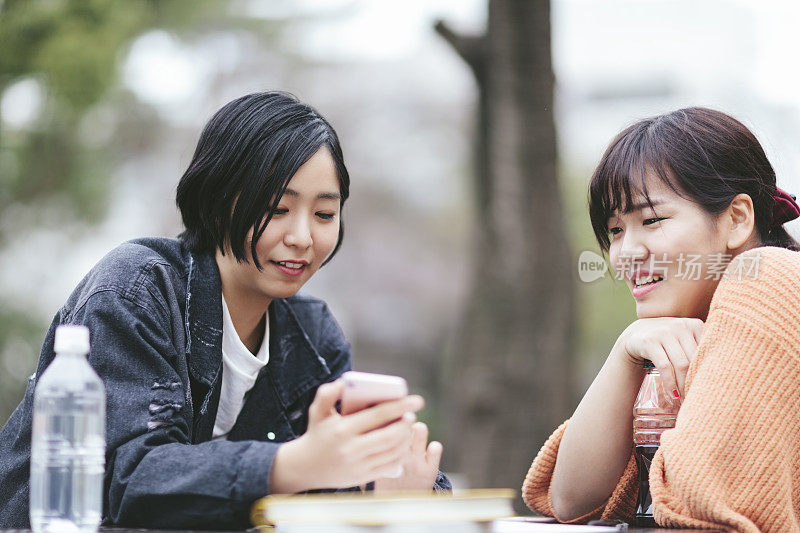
(508, 381)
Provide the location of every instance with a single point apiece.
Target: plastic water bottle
(68, 440)
(654, 412)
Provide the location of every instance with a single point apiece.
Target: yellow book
(466, 510)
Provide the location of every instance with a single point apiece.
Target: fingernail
(409, 417)
(416, 402)
(675, 393)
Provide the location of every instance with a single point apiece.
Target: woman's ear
(739, 219)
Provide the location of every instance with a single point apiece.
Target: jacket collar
(203, 321)
(294, 362)
(294, 359)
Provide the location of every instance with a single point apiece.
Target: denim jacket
(154, 311)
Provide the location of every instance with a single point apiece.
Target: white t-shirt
(240, 369)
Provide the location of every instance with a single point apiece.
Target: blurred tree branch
(471, 48)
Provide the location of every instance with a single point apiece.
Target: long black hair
(245, 157)
(703, 155)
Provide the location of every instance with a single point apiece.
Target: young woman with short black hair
(221, 380)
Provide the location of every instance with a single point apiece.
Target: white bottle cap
(72, 339)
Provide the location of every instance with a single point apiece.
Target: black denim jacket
(154, 311)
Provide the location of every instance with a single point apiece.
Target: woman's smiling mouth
(291, 268)
(644, 282)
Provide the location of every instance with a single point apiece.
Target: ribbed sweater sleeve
(733, 459)
(536, 487)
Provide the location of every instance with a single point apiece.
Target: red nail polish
(676, 394)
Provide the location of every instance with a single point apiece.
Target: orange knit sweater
(733, 459)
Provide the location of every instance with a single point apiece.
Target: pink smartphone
(362, 390)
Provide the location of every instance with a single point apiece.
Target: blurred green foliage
(71, 44)
(603, 307)
(73, 49)
(20, 336)
(74, 44)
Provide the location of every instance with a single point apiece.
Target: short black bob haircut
(703, 155)
(243, 162)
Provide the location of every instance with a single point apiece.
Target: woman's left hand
(421, 465)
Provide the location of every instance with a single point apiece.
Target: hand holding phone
(345, 450)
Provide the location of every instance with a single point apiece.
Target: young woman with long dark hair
(693, 183)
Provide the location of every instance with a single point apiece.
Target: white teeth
(644, 281)
(290, 265)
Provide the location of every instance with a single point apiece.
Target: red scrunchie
(785, 208)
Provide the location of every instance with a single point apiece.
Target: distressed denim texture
(155, 315)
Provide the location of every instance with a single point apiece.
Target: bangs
(620, 179)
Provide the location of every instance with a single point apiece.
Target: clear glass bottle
(654, 412)
(68, 440)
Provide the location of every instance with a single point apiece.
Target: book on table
(464, 511)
